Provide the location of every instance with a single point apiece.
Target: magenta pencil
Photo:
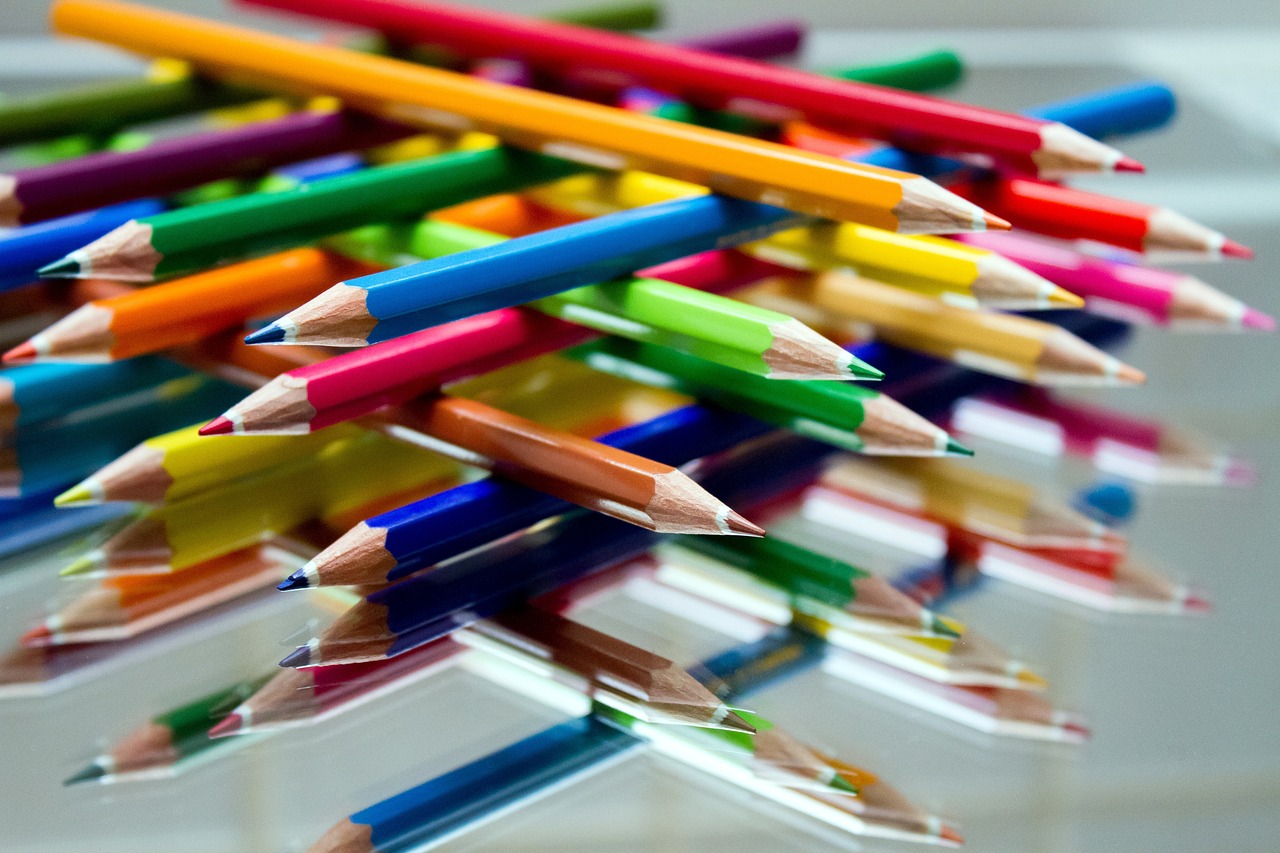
(1126, 291)
(109, 177)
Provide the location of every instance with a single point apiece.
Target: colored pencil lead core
(1232, 249)
(83, 565)
(299, 657)
(271, 334)
(737, 524)
(1254, 319)
(23, 352)
(944, 627)
(37, 637)
(995, 223)
(1128, 164)
(91, 773)
(228, 725)
(221, 425)
(67, 267)
(297, 580)
(79, 495)
(955, 448)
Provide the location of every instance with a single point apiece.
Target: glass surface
(1186, 749)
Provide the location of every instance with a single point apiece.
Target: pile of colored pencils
(558, 309)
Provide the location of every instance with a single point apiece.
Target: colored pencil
(23, 251)
(390, 546)
(110, 177)
(929, 264)
(1003, 711)
(300, 697)
(934, 69)
(206, 234)
(1073, 214)
(616, 673)
(650, 309)
(62, 450)
(168, 89)
(127, 606)
(843, 414)
(176, 465)
(1141, 450)
(1130, 291)
(270, 503)
(186, 310)
(604, 136)
(715, 81)
(996, 507)
(1129, 586)
(164, 743)
(38, 392)
(1007, 345)
(30, 522)
(806, 577)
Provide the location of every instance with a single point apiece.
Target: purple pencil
(97, 180)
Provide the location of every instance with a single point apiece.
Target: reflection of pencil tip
(1195, 602)
(89, 774)
(1255, 319)
(1232, 249)
(228, 725)
(37, 637)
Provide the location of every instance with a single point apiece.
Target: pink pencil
(1127, 291)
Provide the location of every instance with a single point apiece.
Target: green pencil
(814, 583)
(923, 73)
(726, 331)
(204, 235)
(842, 414)
(170, 739)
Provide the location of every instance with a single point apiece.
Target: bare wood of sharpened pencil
(345, 837)
(359, 556)
(138, 475)
(1004, 344)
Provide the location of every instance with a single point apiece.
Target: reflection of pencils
(37, 392)
(1007, 345)
(929, 264)
(1125, 290)
(170, 165)
(996, 507)
(126, 606)
(206, 234)
(715, 81)
(639, 682)
(844, 414)
(1136, 449)
(998, 710)
(299, 697)
(167, 740)
(1074, 214)
(872, 601)
(600, 135)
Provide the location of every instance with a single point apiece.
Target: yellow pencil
(841, 304)
(563, 127)
(931, 265)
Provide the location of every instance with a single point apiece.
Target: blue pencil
(36, 392)
(32, 521)
(409, 298)
(26, 249)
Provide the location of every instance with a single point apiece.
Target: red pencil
(1073, 214)
(915, 121)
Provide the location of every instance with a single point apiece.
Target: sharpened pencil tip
(1232, 249)
(297, 580)
(861, 370)
(1254, 319)
(955, 448)
(741, 526)
(91, 773)
(299, 657)
(1196, 603)
(79, 495)
(271, 334)
(1059, 298)
(944, 627)
(228, 725)
(735, 723)
(23, 352)
(1031, 680)
(1129, 375)
(950, 836)
(221, 425)
(67, 267)
(843, 785)
(1128, 164)
(37, 637)
(995, 223)
(1077, 731)
(82, 566)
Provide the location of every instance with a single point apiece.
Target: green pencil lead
(861, 370)
(943, 627)
(67, 267)
(89, 774)
(843, 785)
(955, 448)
